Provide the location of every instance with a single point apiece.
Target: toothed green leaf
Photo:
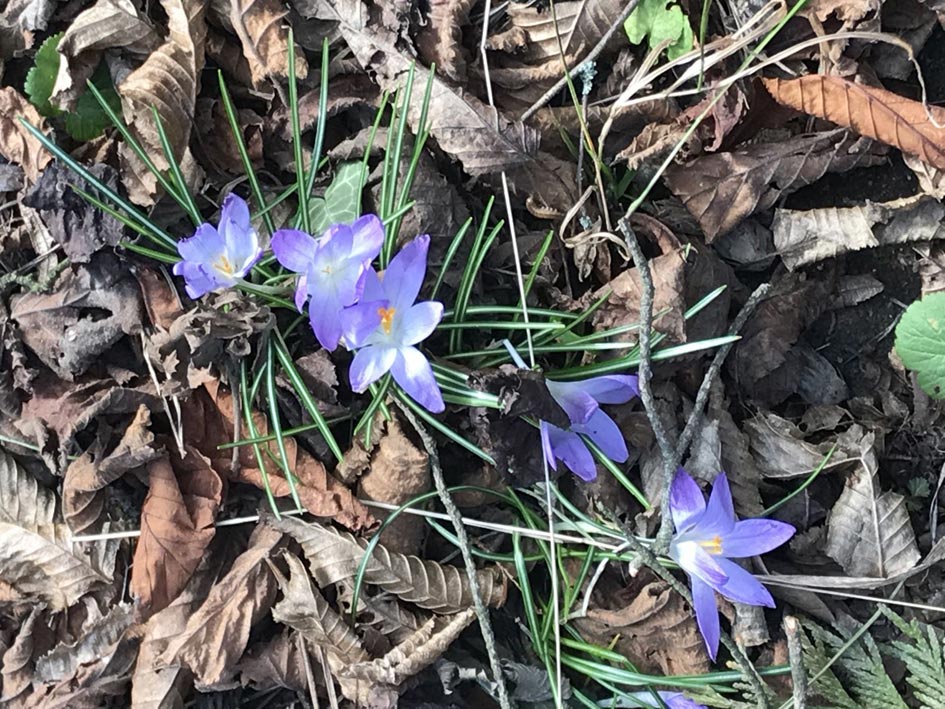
(920, 342)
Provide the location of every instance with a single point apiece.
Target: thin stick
(796, 655)
(482, 613)
(591, 56)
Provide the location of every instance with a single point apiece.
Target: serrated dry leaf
(16, 144)
(24, 502)
(177, 525)
(108, 24)
(95, 643)
(382, 611)
(16, 664)
(334, 555)
(869, 532)
(167, 81)
(439, 40)
(466, 129)
(804, 237)
(870, 111)
(216, 634)
(304, 609)
(720, 190)
(264, 36)
(275, 663)
(649, 624)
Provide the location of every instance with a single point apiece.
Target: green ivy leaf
(341, 203)
(660, 20)
(42, 76)
(920, 342)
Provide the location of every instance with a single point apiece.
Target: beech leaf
(870, 111)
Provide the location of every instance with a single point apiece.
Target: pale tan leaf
(19, 22)
(304, 609)
(176, 526)
(16, 144)
(167, 81)
(24, 502)
(108, 24)
(580, 26)
(334, 555)
(16, 664)
(265, 38)
(382, 611)
(94, 644)
(870, 111)
(869, 532)
(721, 189)
(216, 634)
(439, 40)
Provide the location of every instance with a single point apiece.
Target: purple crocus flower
(707, 536)
(332, 270)
(386, 325)
(671, 700)
(581, 402)
(217, 257)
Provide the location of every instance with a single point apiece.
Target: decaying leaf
(16, 144)
(216, 634)
(870, 111)
(334, 555)
(869, 532)
(17, 664)
(720, 190)
(19, 21)
(177, 520)
(276, 663)
(167, 81)
(96, 641)
(24, 502)
(108, 24)
(804, 237)
(440, 38)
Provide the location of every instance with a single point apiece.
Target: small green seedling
(660, 20)
(89, 119)
(920, 342)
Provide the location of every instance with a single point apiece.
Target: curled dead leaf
(16, 144)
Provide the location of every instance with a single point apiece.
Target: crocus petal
(671, 700)
(242, 241)
(577, 403)
(612, 388)
(719, 515)
(335, 244)
(294, 249)
(571, 450)
(685, 499)
(325, 316)
(404, 276)
(371, 287)
(197, 280)
(707, 615)
(418, 323)
(359, 322)
(743, 587)
(368, 233)
(546, 448)
(697, 562)
(752, 537)
(205, 246)
(413, 373)
(369, 365)
(301, 292)
(606, 434)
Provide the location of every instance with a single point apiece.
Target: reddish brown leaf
(870, 111)
(176, 527)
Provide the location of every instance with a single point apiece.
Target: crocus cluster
(349, 302)
(219, 256)
(707, 537)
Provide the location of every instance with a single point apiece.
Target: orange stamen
(387, 318)
(223, 265)
(713, 546)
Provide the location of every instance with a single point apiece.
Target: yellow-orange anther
(713, 546)
(387, 318)
(223, 265)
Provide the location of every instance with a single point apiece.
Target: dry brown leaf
(580, 26)
(720, 190)
(264, 35)
(439, 41)
(95, 642)
(16, 664)
(108, 24)
(167, 81)
(872, 112)
(16, 144)
(94, 470)
(334, 555)
(381, 611)
(399, 471)
(648, 624)
(304, 609)
(275, 663)
(24, 502)
(176, 526)
(216, 634)
(484, 142)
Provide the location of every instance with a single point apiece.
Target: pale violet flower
(332, 270)
(387, 324)
(707, 537)
(219, 257)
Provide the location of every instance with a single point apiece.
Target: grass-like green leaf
(920, 342)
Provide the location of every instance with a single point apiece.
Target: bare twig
(482, 614)
(591, 56)
(792, 630)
